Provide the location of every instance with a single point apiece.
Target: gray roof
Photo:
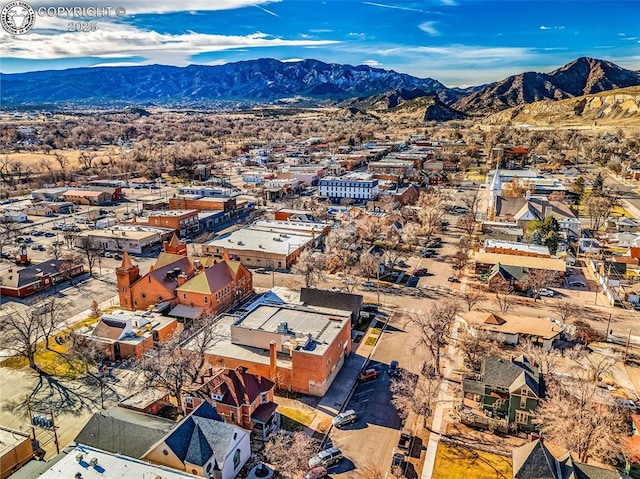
(534, 461)
(201, 436)
(502, 373)
(587, 471)
(471, 386)
(124, 431)
(516, 273)
(332, 299)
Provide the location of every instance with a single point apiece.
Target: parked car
(369, 284)
(453, 279)
(393, 368)
(402, 264)
(427, 254)
(108, 254)
(326, 458)
(577, 284)
(34, 247)
(117, 256)
(48, 234)
(316, 473)
(397, 460)
(367, 375)
(546, 292)
(41, 248)
(420, 272)
(260, 271)
(636, 306)
(405, 439)
(344, 418)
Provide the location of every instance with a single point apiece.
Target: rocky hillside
(617, 107)
(260, 80)
(580, 77)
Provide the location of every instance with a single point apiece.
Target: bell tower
(126, 274)
(175, 247)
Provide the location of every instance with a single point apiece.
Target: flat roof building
(301, 348)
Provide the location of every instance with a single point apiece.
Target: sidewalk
(343, 385)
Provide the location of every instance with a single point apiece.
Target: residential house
(203, 445)
(125, 334)
(513, 329)
(509, 390)
(486, 263)
(39, 209)
(535, 461)
(241, 398)
(21, 282)
(622, 224)
(13, 216)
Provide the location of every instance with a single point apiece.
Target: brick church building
(197, 284)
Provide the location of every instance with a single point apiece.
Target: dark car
(453, 279)
(420, 272)
(393, 368)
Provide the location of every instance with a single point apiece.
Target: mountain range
(309, 81)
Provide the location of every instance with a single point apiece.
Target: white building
(356, 186)
(13, 216)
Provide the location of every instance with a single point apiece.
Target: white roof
(113, 466)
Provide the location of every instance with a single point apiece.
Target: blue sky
(459, 42)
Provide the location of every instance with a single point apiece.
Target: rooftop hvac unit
(283, 327)
(93, 461)
(240, 243)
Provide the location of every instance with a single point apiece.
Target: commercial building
(353, 186)
(184, 222)
(134, 239)
(202, 203)
(267, 243)
(300, 348)
(19, 282)
(87, 197)
(15, 450)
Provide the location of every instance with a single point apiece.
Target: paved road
(372, 439)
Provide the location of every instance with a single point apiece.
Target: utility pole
(626, 349)
(606, 333)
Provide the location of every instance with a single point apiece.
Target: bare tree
(91, 250)
(24, 332)
(576, 416)
(290, 453)
(467, 223)
(8, 231)
(594, 365)
(174, 365)
(70, 237)
(504, 297)
(434, 329)
(413, 394)
(310, 265)
(471, 297)
(477, 344)
(472, 203)
(566, 310)
(376, 472)
(547, 360)
(368, 265)
(537, 279)
(432, 207)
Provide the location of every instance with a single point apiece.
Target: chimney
(527, 195)
(182, 278)
(548, 211)
(273, 355)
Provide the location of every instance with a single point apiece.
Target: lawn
(457, 462)
(51, 360)
(296, 419)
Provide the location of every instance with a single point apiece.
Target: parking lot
(371, 440)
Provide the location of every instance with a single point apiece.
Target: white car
(546, 292)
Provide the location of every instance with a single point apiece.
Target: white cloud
(372, 63)
(320, 30)
(267, 11)
(292, 60)
(165, 6)
(114, 40)
(358, 35)
(428, 27)
(396, 7)
(544, 27)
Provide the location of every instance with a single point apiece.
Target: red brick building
(203, 283)
(240, 397)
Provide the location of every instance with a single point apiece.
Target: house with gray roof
(505, 389)
(203, 445)
(535, 461)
